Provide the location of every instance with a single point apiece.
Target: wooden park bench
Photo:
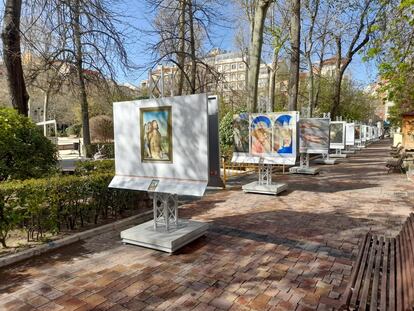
(383, 276)
(396, 146)
(395, 153)
(396, 164)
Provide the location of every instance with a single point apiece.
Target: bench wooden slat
(404, 270)
(357, 285)
(367, 279)
(408, 262)
(410, 237)
(384, 276)
(399, 274)
(355, 270)
(375, 281)
(392, 276)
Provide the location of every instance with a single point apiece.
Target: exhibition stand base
(339, 156)
(326, 161)
(348, 152)
(304, 170)
(273, 188)
(164, 240)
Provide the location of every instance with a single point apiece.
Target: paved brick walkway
(292, 252)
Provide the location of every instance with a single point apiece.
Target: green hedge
(61, 203)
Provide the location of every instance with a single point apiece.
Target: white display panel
(337, 134)
(181, 167)
(350, 134)
(364, 132)
(272, 138)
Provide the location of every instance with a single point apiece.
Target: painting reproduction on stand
(337, 135)
(314, 135)
(156, 134)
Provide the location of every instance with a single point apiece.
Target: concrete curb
(41, 249)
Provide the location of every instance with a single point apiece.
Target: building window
(241, 65)
(233, 66)
(241, 76)
(226, 67)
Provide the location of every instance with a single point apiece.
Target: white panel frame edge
(337, 145)
(350, 134)
(187, 174)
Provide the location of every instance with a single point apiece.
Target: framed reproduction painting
(156, 134)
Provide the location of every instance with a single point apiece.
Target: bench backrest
(405, 266)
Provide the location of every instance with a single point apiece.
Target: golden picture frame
(156, 134)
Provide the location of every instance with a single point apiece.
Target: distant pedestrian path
(291, 252)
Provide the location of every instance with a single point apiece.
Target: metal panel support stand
(166, 232)
(264, 184)
(165, 207)
(304, 167)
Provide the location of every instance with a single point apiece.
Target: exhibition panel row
(272, 138)
(170, 146)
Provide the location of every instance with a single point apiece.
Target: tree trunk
(255, 52)
(192, 48)
(273, 74)
(311, 86)
(81, 80)
(12, 56)
(181, 53)
(45, 107)
(336, 95)
(293, 86)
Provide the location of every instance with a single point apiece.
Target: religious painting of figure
(357, 130)
(261, 133)
(156, 134)
(241, 133)
(282, 134)
(337, 133)
(313, 135)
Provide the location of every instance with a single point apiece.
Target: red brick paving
(292, 252)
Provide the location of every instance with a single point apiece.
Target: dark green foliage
(226, 132)
(24, 151)
(74, 130)
(93, 167)
(61, 203)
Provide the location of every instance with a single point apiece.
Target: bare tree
(293, 86)
(278, 30)
(181, 27)
(352, 31)
(12, 56)
(90, 43)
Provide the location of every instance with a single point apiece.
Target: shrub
(74, 130)
(61, 203)
(24, 151)
(93, 167)
(102, 129)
